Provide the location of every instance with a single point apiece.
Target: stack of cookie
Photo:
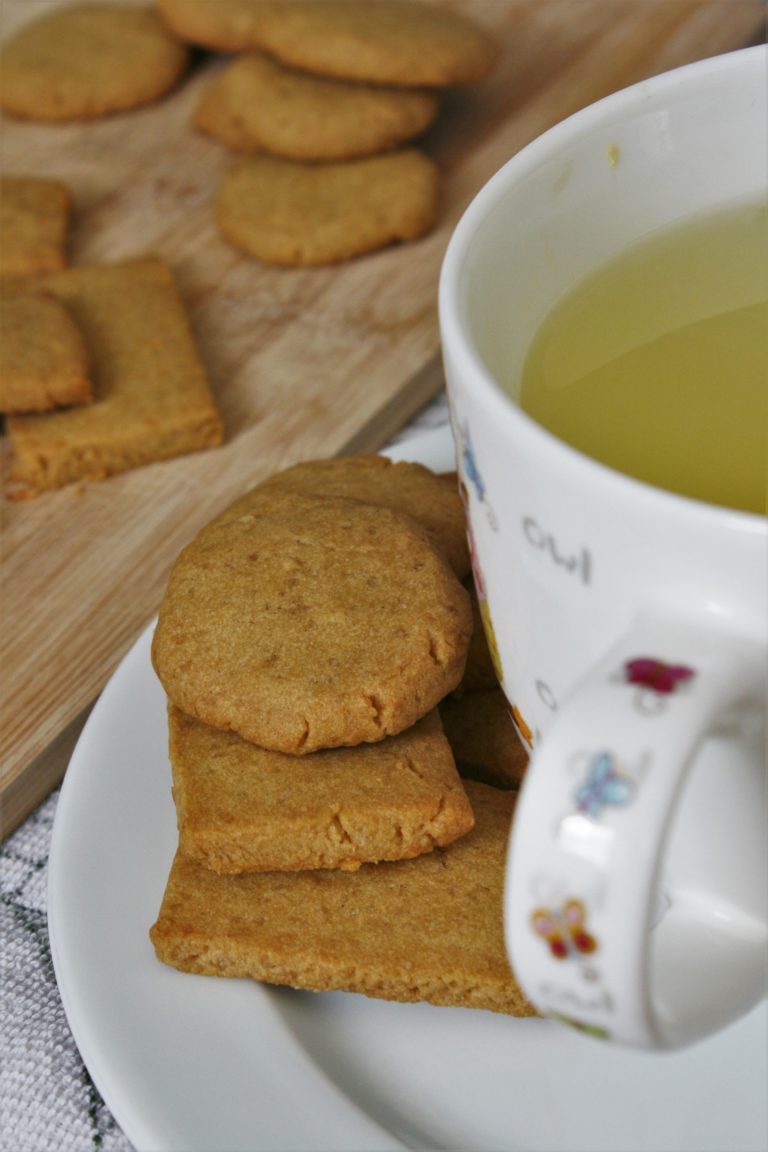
(323, 95)
(326, 839)
(99, 371)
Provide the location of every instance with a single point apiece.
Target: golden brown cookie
(152, 399)
(219, 115)
(241, 808)
(34, 225)
(484, 740)
(288, 213)
(86, 61)
(43, 359)
(384, 42)
(431, 499)
(308, 623)
(425, 929)
(303, 117)
(221, 25)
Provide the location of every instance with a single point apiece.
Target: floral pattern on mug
(656, 675)
(564, 930)
(603, 787)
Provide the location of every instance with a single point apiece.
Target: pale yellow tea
(657, 364)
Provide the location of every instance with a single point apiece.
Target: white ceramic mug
(629, 624)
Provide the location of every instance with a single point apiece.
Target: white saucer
(192, 1063)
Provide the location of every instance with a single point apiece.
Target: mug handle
(629, 914)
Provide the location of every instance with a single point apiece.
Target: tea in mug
(657, 363)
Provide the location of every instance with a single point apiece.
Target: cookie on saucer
(484, 739)
(428, 929)
(306, 623)
(241, 808)
(430, 498)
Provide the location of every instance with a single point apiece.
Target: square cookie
(43, 359)
(241, 808)
(424, 929)
(34, 223)
(152, 399)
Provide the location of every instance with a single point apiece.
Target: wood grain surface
(303, 363)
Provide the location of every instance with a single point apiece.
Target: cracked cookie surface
(241, 808)
(306, 623)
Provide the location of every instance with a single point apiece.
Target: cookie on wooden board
(34, 226)
(241, 808)
(307, 622)
(399, 42)
(152, 398)
(288, 213)
(303, 117)
(430, 498)
(88, 60)
(219, 115)
(484, 739)
(220, 25)
(44, 362)
(425, 929)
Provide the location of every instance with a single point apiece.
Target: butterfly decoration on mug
(603, 787)
(656, 681)
(564, 930)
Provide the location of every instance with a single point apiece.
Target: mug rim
(463, 348)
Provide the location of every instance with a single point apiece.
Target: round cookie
(221, 25)
(218, 115)
(432, 500)
(304, 117)
(308, 623)
(88, 61)
(289, 213)
(404, 42)
(386, 42)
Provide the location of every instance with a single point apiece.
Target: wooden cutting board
(303, 363)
